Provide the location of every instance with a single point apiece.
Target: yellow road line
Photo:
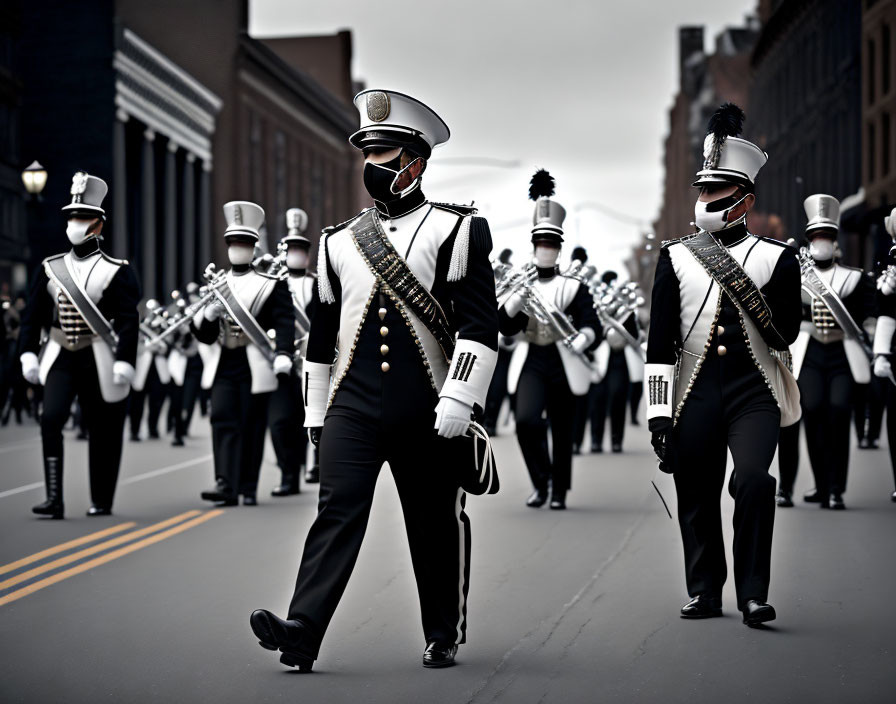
(63, 547)
(75, 556)
(108, 557)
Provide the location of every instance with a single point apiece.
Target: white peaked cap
(244, 219)
(823, 211)
(391, 119)
(739, 162)
(87, 194)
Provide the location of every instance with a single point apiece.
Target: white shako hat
(390, 119)
(244, 220)
(727, 158)
(547, 220)
(88, 193)
(823, 212)
(296, 224)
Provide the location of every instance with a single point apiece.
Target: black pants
(239, 421)
(154, 391)
(74, 375)
(610, 397)
(729, 407)
(826, 397)
(497, 390)
(870, 400)
(543, 388)
(352, 451)
(286, 418)
(789, 456)
(635, 391)
(891, 426)
(183, 401)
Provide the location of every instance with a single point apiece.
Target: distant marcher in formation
(287, 411)
(552, 366)
(883, 341)
(727, 305)
(246, 362)
(404, 287)
(829, 359)
(88, 302)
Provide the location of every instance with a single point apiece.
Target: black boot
(53, 506)
(289, 484)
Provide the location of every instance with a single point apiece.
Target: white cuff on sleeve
(316, 390)
(883, 334)
(470, 373)
(658, 389)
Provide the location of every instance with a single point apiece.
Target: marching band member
(185, 369)
(151, 375)
(829, 357)
(883, 342)
(88, 301)
(724, 303)
(550, 368)
(246, 363)
(407, 294)
(286, 411)
(620, 361)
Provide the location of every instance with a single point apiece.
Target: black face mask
(378, 179)
(725, 203)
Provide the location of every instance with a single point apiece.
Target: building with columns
(178, 121)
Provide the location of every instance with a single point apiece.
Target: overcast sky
(581, 88)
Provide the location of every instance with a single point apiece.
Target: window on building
(885, 59)
(885, 144)
(280, 205)
(872, 149)
(871, 71)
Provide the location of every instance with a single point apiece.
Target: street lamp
(34, 178)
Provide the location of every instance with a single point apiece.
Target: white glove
(514, 304)
(579, 343)
(122, 373)
(282, 364)
(887, 285)
(890, 223)
(882, 367)
(453, 417)
(30, 367)
(213, 311)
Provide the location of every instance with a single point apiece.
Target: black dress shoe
(617, 447)
(783, 499)
(135, 438)
(538, 498)
(758, 612)
(438, 654)
(558, 501)
(864, 443)
(836, 502)
(222, 493)
(289, 637)
(99, 511)
(312, 476)
(812, 497)
(289, 485)
(154, 435)
(250, 500)
(893, 497)
(177, 442)
(702, 606)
